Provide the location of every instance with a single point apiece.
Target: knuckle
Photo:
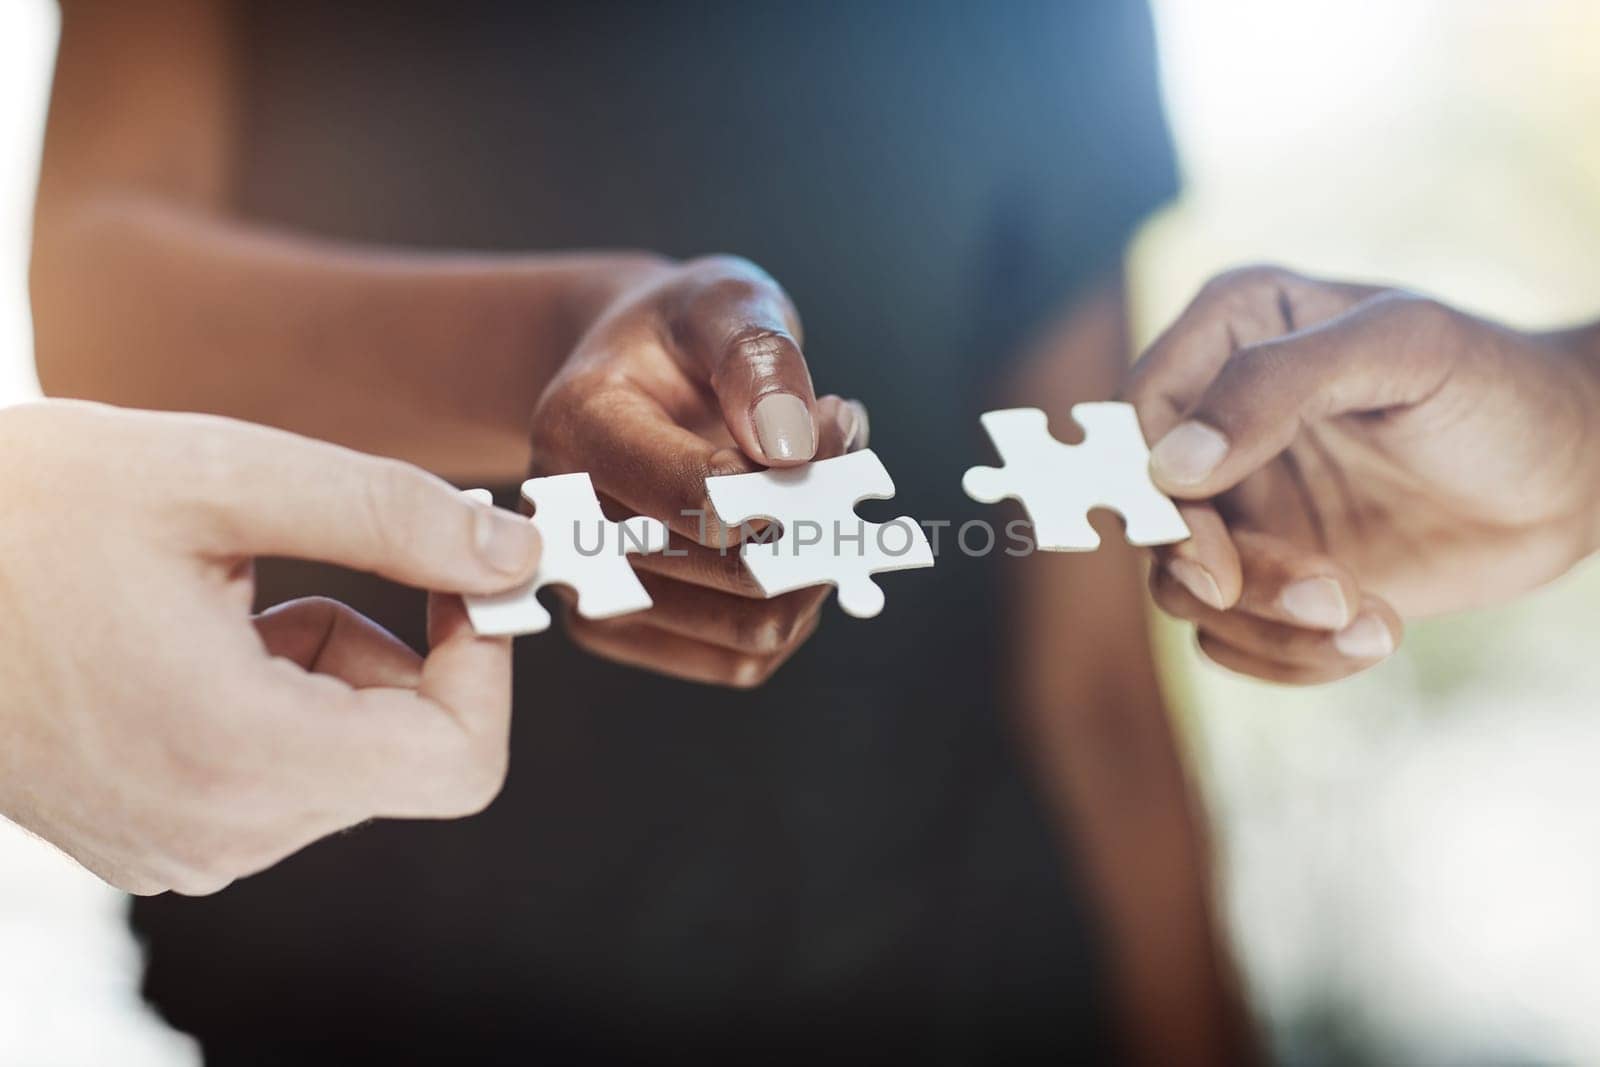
(481, 775)
(1434, 317)
(579, 401)
(754, 671)
(321, 613)
(390, 496)
(204, 859)
(480, 786)
(1250, 278)
(760, 347)
(725, 265)
(749, 672)
(721, 290)
(763, 628)
(200, 883)
(1258, 363)
(211, 474)
(799, 621)
(552, 416)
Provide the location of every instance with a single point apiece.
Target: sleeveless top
(850, 859)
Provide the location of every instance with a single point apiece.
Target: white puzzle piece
(1058, 484)
(581, 549)
(823, 540)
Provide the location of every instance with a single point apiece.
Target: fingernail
(1189, 452)
(1317, 602)
(783, 426)
(507, 542)
(860, 432)
(849, 426)
(1198, 581)
(1366, 638)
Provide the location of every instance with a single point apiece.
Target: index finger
(266, 492)
(1232, 311)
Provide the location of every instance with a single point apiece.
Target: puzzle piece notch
(818, 500)
(581, 550)
(1058, 484)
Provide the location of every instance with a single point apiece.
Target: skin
(644, 373)
(162, 735)
(1096, 729)
(633, 408)
(1355, 456)
(148, 291)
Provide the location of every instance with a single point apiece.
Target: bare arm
(1105, 750)
(148, 291)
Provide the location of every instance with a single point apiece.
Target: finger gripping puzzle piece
(1058, 484)
(581, 549)
(823, 540)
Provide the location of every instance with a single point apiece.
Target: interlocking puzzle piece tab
(1058, 484)
(823, 540)
(581, 550)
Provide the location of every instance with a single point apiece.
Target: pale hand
(160, 735)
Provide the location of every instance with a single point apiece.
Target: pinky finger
(1240, 661)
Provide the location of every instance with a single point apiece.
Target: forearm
(150, 290)
(434, 358)
(1108, 756)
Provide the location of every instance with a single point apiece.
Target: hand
(1355, 456)
(692, 373)
(151, 728)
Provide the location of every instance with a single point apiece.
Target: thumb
(277, 494)
(1390, 352)
(736, 327)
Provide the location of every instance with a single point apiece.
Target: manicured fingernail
(1188, 454)
(849, 426)
(1317, 602)
(1366, 638)
(783, 426)
(507, 542)
(860, 426)
(1198, 581)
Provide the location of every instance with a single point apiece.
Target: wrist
(571, 293)
(528, 316)
(596, 281)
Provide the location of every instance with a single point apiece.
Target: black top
(849, 860)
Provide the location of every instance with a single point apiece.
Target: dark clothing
(850, 861)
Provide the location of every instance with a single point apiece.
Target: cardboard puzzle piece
(823, 540)
(582, 550)
(1058, 484)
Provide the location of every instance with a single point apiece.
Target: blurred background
(1411, 860)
